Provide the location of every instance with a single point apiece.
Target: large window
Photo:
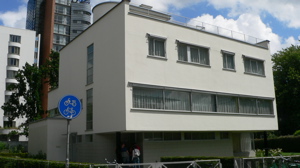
(166, 99)
(13, 62)
(89, 109)
(15, 38)
(11, 74)
(254, 66)
(156, 46)
(14, 50)
(193, 53)
(90, 64)
(228, 60)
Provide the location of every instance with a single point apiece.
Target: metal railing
(214, 163)
(202, 26)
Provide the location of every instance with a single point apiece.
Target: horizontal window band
(191, 44)
(150, 86)
(249, 57)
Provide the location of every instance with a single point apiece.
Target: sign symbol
(69, 107)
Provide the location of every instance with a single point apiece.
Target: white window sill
(157, 57)
(194, 63)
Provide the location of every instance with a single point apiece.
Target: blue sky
(274, 20)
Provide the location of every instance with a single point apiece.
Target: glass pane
(265, 106)
(228, 61)
(227, 104)
(203, 102)
(247, 65)
(177, 100)
(147, 98)
(194, 55)
(260, 68)
(151, 47)
(254, 66)
(204, 56)
(182, 52)
(248, 105)
(159, 47)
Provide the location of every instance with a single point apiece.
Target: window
(14, 50)
(79, 138)
(159, 98)
(89, 138)
(156, 46)
(15, 38)
(193, 54)
(254, 66)
(11, 74)
(224, 135)
(148, 98)
(90, 64)
(228, 60)
(89, 109)
(13, 62)
(199, 135)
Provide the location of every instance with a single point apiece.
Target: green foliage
(10, 162)
(28, 89)
(3, 146)
(41, 155)
(272, 152)
(286, 143)
(51, 70)
(286, 70)
(297, 133)
(226, 161)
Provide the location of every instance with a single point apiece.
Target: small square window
(254, 66)
(228, 60)
(156, 46)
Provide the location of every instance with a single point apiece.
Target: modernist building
(174, 88)
(58, 22)
(17, 46)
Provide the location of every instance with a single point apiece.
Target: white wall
(49, 136)
(27, 48)
(144, 70)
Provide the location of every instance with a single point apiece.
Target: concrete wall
(50, 137)
(27, 48)
(169, 73)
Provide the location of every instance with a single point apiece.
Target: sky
(275, 20)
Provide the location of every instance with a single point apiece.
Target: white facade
(125, 71)
(17, 46)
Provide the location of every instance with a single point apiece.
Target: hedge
(286, 143)
(227, 162)
(9, 162)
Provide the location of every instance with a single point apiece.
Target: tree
(25, 100)
(50, 70)
(286, 70)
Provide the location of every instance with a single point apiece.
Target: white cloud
(283, 10)
(249, 24)
(15, 19)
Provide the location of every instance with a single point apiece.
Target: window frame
(15, 38)
(156, 38)
(225, 54)
(245, 58)
(188, 54)
(14, 50)
(90, 59)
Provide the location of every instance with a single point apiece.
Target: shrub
(272, 152)
(297, 133)
(286, 143)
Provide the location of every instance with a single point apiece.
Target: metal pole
(68, 143)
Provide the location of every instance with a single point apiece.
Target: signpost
(69, 107)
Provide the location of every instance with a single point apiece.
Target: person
(124, 154)
(136, 156)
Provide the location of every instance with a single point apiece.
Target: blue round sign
(69, 107)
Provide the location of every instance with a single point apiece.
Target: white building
(173, 88)
(17, 46)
